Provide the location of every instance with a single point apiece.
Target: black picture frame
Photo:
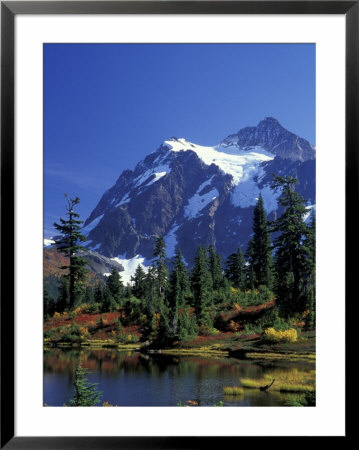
(9, 9)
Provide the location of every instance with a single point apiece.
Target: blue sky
(106, 106)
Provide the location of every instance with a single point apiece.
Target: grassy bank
(293, 381)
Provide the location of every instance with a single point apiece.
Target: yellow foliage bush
(58, 315)
(84, 331)
(272, 335)
(233, 326)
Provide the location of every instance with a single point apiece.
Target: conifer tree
(178, 288)
(139, 283)
(249, 272)
(63, 298)
(164, 334)
(160, 265)
(86, 394)
(261, 253)
(90, 295)
(115, 286)
(235, 269)
(69, 245)
(201, 286)
(98, 293)
(309, 273)
(108, 303)
(49, 305)
(291, 253)
(215, 268)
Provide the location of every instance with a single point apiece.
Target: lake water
(133, 379)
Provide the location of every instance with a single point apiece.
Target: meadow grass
(199, 351)
(285, 381)
(282, 356)
(233, 390)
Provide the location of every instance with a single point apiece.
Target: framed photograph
(175, 181)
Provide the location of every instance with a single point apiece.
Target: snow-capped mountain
(196, 195)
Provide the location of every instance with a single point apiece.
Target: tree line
(171, 302)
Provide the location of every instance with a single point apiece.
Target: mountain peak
(273, 137)
(269, 121)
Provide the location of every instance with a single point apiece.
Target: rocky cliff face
(195, 195)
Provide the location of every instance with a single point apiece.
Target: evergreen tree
(64, 295)
(139, 283)
(86, 394)
(99, 293)
(109, 303)
(89, 295)
(201, 286)
(69, 245)
(215, 268)
(248, 270)
(261, 253)
(235, 269)
(309, 273)
(164, 335)
(151, 291)
(178, 288)
(115, 286)
(291, 253)
(186, 325)
(49, 305)
(161, 267)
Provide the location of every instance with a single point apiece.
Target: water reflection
(133, 379)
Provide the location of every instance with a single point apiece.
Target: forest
(267, 292)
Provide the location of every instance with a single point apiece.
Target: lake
(129, 378)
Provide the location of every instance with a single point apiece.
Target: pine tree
(69, 245)
(291, 253)
(115, 286)
(160, 265)
(49, 305)
(201, 286)
(99, 293)
(235, 269)
(108, 303)
(309, 273)
(89, 295)
(164, 334)
(249, 271)
(178, 288)
(261, 253)
(63, 299)
(139, 283)
(215, 268)
(86, 394)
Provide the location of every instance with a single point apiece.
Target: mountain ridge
(184, 190)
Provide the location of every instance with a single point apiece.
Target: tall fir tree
(291, 253)
(70, 246)
(261, 252)
(108, 303)
(98, 293)
(201, 283)
(115, 286)
(215, 268)
(90, 295)
(49, 305)
(86, 394)
(235, 269)
(309, 273)
(161, 267)
(63, 299)
(178, 288)
(139, 282)
(248, 269)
